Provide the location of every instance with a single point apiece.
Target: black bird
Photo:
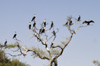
(43, 30)
(51, 44)
(34, 24)
(44, 23)
(33, 17)
(70, 23)
(51, 25)
(15, 35)
(5, 44)
(54, 33)
(79, 18)
(29, 25)
(88, 22)
(40, 31)
(66, 23)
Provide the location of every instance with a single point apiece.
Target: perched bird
(40, 31)
(70, 23)
(66, 23)
(51, 25)
(34, 24)
(43, 30)
(33, 17)
(54, 33)
(51, 44)
(29, 25)
(15, 35)
(88, 22)
(44, 23)
(5, 44)
(79, 18)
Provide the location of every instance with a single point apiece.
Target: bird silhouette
(43, 30)
(44, 23)
(29, 25)
(5, 43)
(51, 25)
(40, 31)
(70, 23)
(54, 33)
(79, 18)
(15, 35)
(88, 22)
(34, 24)
(33, 17)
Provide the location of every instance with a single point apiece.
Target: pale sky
(84, 47)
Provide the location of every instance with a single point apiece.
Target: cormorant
(40, 31)
(54, 33)
(29, 25)
(5, 44)
(79, 18)
(88, 22)
(43, 30)
(33, 17)
(44, 23)
(66, 23)
(51, 25)
(51, 44)
(14, 35)
(70, 23)
(34, 24)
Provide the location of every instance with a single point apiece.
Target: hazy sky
(84, 47)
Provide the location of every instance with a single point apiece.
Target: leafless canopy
(54, 51)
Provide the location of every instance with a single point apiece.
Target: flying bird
(34, 24)
(5, 44)
(15, 35)
(51, 25)
(33, 17)
(29, 25)
(88, 22)
(79, 18)
(44, 23)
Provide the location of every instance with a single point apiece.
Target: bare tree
(52, 52)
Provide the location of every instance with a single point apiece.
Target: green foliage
(39, 51)
(4, 61)
(1, 45)
(55, 51)
(10, 46)
(97, 63)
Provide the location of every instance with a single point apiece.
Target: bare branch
(38, 33)
(79, 27)
(14, 55)
(44, 57)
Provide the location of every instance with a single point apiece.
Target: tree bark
(53, 63)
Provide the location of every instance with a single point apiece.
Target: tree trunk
(54, 63)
